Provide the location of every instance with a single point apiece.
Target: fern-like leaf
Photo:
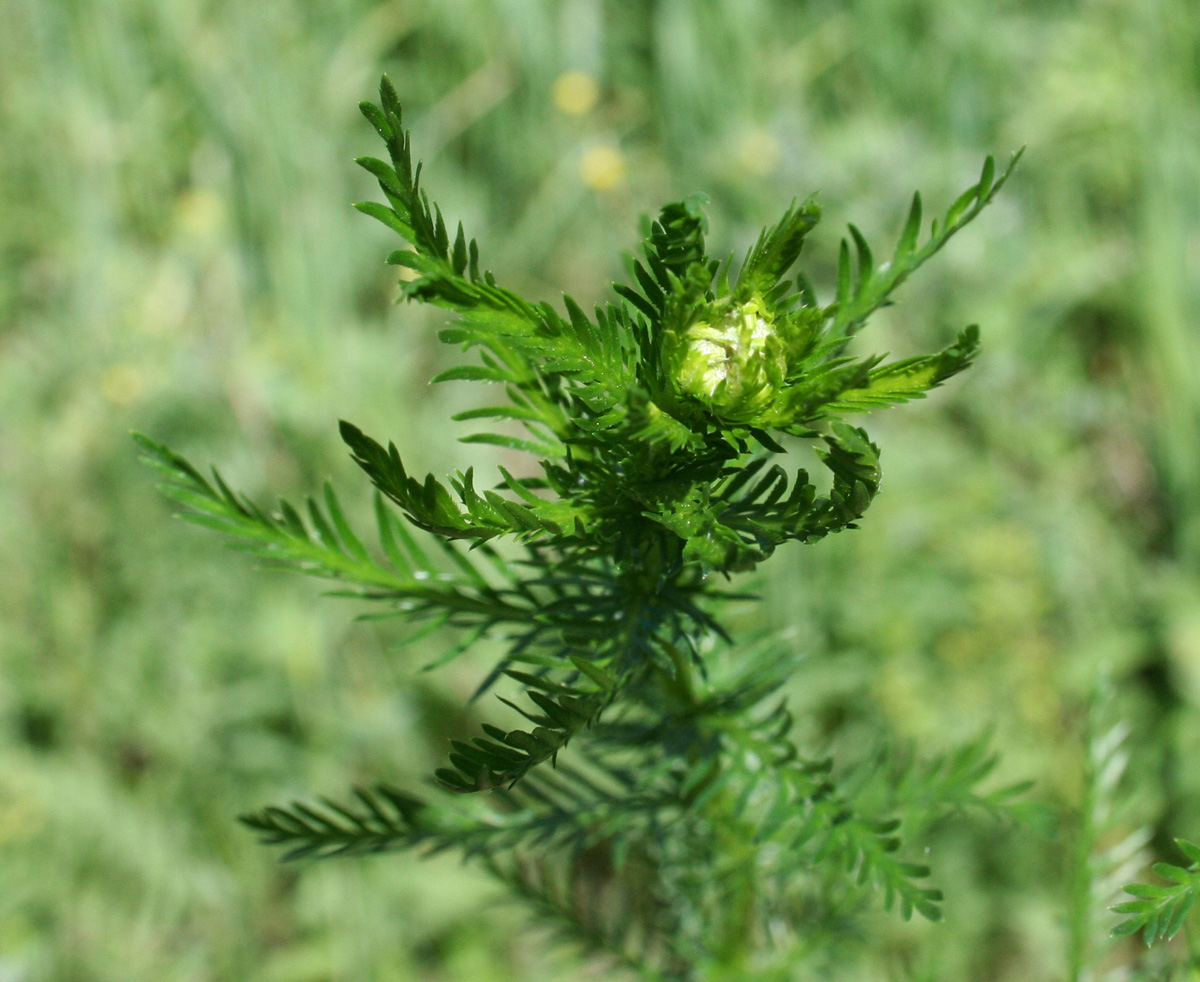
(1159, 910)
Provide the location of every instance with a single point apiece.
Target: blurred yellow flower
(200, 213)
(602, 167)
(20, 819)
(122, 384)
(759, 151)
(575, 93)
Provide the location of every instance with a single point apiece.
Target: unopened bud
(733, 364)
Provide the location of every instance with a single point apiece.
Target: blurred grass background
(178, 255)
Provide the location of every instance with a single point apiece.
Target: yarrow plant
(658, 805)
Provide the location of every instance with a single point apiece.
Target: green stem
(735, 840)
(684, 681)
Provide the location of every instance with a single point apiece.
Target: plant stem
(685, 679)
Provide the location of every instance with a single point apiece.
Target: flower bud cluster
(734, 363)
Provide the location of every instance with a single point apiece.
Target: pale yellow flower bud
(733, 364)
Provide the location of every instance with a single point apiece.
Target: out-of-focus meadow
(178, 255)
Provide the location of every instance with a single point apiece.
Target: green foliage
(325, 546)
(178, 257)
(1159, 911)
(655, 422)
